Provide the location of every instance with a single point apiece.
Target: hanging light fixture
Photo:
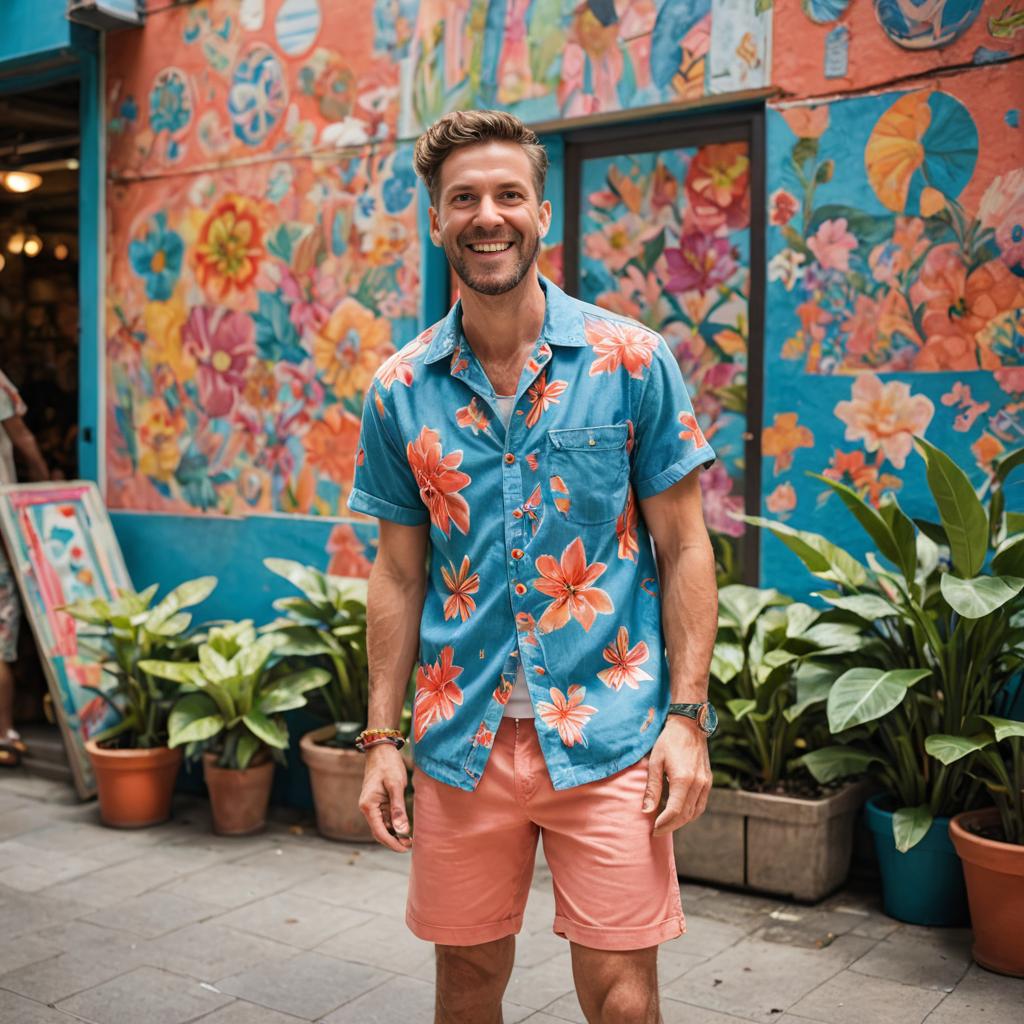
(33, 246)
(16, 243)
(3, 262)
(21, 181)
(60, 251)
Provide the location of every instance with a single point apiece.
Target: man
(538, 444)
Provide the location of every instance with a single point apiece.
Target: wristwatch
(703, 714)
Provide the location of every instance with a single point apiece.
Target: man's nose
(487, 213)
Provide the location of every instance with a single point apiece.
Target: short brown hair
(468, 128)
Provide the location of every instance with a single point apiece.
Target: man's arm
(24, 440)
(689, 611)
(394, 606)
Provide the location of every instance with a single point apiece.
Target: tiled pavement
(173, 924)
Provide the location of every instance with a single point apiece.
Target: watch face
(707, 718)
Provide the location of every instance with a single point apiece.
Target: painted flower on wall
(782, 438)
(718, 186)
(158, 431)
(886, 417)
(330, 444)
(348, 554)
(700, 263)
(222, 344)
(157, 258)
(229, 248)
(832, 244)
(350, 347)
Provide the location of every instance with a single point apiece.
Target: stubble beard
(488, 285)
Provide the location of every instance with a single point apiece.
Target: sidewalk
(173, 924)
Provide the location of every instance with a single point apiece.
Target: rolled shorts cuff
(620, 938)
(464, 935)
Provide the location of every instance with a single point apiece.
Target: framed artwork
(62, 549)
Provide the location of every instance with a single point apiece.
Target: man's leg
(617, 986)
(471, 981)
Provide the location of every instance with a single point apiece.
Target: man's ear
(545, 217)
(435, 227)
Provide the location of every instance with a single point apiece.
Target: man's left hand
(680, 754)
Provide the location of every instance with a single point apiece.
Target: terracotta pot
(134, 786)
(994, 872)
(238, 799)
(336, 777)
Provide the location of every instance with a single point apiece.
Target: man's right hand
(382, 799)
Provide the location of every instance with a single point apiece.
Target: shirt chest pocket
(587, 471)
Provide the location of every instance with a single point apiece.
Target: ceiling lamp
(33, 246)
(16, 243)
(3, 262)
(60, 251)
(21, 181)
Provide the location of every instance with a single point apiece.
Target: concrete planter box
(773, 844)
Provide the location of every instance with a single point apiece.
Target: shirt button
(520, 589)
(539, 670)
(517, 553)
(517, 513)
(509, 458)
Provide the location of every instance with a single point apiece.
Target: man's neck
(499, 326)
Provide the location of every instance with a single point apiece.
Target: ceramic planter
(775, 844)
(925, 885)
(134, 786)
(336, 778)
(994, 873)
(238, 799)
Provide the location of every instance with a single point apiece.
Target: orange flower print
(625, 529)
(567, 713)
(461, 584)
(525, 623)
(570, 582)
(625, 670)
(437, 693)
(439, 481)
(458, 362)
(542, 396)
(472, 416)
(783, 438)
(691, 430)
(618, 344)
(560, 493)
(886, 417)
(484, 737)
(531, 461)
(398, 366)
(529, 510)
(503, 690)
(647, 720)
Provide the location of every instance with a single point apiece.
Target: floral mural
(665, 239)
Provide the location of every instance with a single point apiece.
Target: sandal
(9, 757)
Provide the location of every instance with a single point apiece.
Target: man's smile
(490, 246)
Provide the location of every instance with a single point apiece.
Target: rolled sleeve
(668, 441)
(384, 485)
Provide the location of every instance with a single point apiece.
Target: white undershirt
(519, 704)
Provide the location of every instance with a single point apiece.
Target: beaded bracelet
(373, 737)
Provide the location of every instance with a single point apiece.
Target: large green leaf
(177, 671)
(740, 707)
(189, 593)
(813, 683)
(273, 733)
(975, 598)
(304, 577)
(302, 681)
(823, 558)
(910, 825)
(245, 748)
(862, 695)
(193, 719)
(836, 636)
(868, 607)
(902, 529)
(1004, 728)
(1009, 462)
(962, 514)
(726, 661)
(743, 605)
(1009, 559)
(799, 617)
(831, 763)
(947, 749)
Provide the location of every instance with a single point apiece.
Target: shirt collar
(563, 324)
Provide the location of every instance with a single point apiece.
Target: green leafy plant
(997, 760)
(126, 632)
(944, 636)
(773, 665)
(327, 625)
(234, 695)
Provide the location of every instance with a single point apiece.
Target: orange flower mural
(782, 439)
(230, 247)
(331, 444)
(349, 348)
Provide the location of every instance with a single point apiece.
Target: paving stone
(982, 998)
(675, 1012)
(309, 985)
(378, 858)
(48, 981)
(10, 802)
(17, 953)
(396, 999)
(912, 961)
(144, 995)
(294, 919)
(380, 942)
(29, 912)
(848, 999)
(542, 984)
(18, 1010)
(380, 892)
(706, 937)
(152, 914)
(300, 860)
(805, 927)
(760, 980)
(742, 910)
(534, 948)
(34, 869)
(210, 951)
(89, 940)
(241, 1012)
(229, 885)
(23, 819)
(65, 836)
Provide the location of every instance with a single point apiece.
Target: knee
(473, 975)
(630, 1004)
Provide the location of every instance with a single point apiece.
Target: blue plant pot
(925, 885)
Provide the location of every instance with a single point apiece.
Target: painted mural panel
(665, 239)
(247, 312)
(896, 291)
(828, 46)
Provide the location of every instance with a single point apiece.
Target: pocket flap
(590, 439)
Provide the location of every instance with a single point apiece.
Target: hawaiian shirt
(538, 549)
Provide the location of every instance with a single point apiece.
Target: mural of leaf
(675, 19)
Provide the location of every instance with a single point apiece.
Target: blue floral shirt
(538, 548)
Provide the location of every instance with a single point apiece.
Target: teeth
(491, 246)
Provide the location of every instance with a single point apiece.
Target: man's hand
(382, 799)
(680, 754)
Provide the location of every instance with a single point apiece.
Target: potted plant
(942, 646)
(230, 714)
(990, 841)
(327, 624)
(134, 767)
(770, 826)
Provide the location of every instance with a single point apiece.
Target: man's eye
(512, 195)
(461, 196)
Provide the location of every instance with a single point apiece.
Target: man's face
(489, 219)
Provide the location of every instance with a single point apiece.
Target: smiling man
(521, 455)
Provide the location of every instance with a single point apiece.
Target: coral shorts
(473, 854)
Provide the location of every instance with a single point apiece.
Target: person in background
(14, 435)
